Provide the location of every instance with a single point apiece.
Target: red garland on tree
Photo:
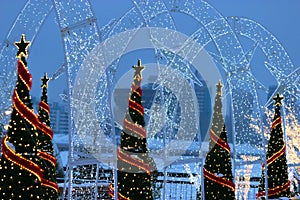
(218, 178)
(134, 164)
(277, 170)
(20, 173)
(46, 152)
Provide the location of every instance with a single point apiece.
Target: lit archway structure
(80, 34)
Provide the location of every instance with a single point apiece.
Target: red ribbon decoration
(276, 155)
(137, 89)
(216, 139)
(30, 116)
(48, 157)
(19, 160)
(44, 106)
(138, 107)
(24, 74)
(137, 129)
(276, 122)
(134, 161)
(219, 180)
(50, 184)
(274, 191)
(111, 193)
(52, 160)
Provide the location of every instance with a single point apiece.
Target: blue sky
(280, 17)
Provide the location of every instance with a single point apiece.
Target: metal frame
(214, 29)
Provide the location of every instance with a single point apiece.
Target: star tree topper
(219, 87)
(277, 100)
(138, 70)
(45, 80)
(22, 47)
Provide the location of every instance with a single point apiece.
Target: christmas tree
(20, 173)
(45, 147)
(134, 164)
(218, 179)
(261, 187)
(277, 170)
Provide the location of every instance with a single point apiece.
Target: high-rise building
(58, 116)
(203, 99)
(205, 109)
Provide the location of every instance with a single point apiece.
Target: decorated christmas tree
(277, 170)
(261, 187)
(134, 164)
(20, 173)
(45, 147)
(218, 179)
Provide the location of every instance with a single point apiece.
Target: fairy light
(48, 161)
(50, 158)
(134, 161)
(134, 164)
(228, 46)
(50, 184)
(135, 128)
(216, 139)
(292, 129)
(218, 178)
(278, 183)
(19, 161)
(243, 182)
(29, 115)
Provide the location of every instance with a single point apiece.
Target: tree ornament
(22, 47)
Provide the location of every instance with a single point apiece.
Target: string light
(19, 160)
(134, 164)
(277, 172)
(19, 156)
(48, 161)
(191, 8)
(217, 171)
